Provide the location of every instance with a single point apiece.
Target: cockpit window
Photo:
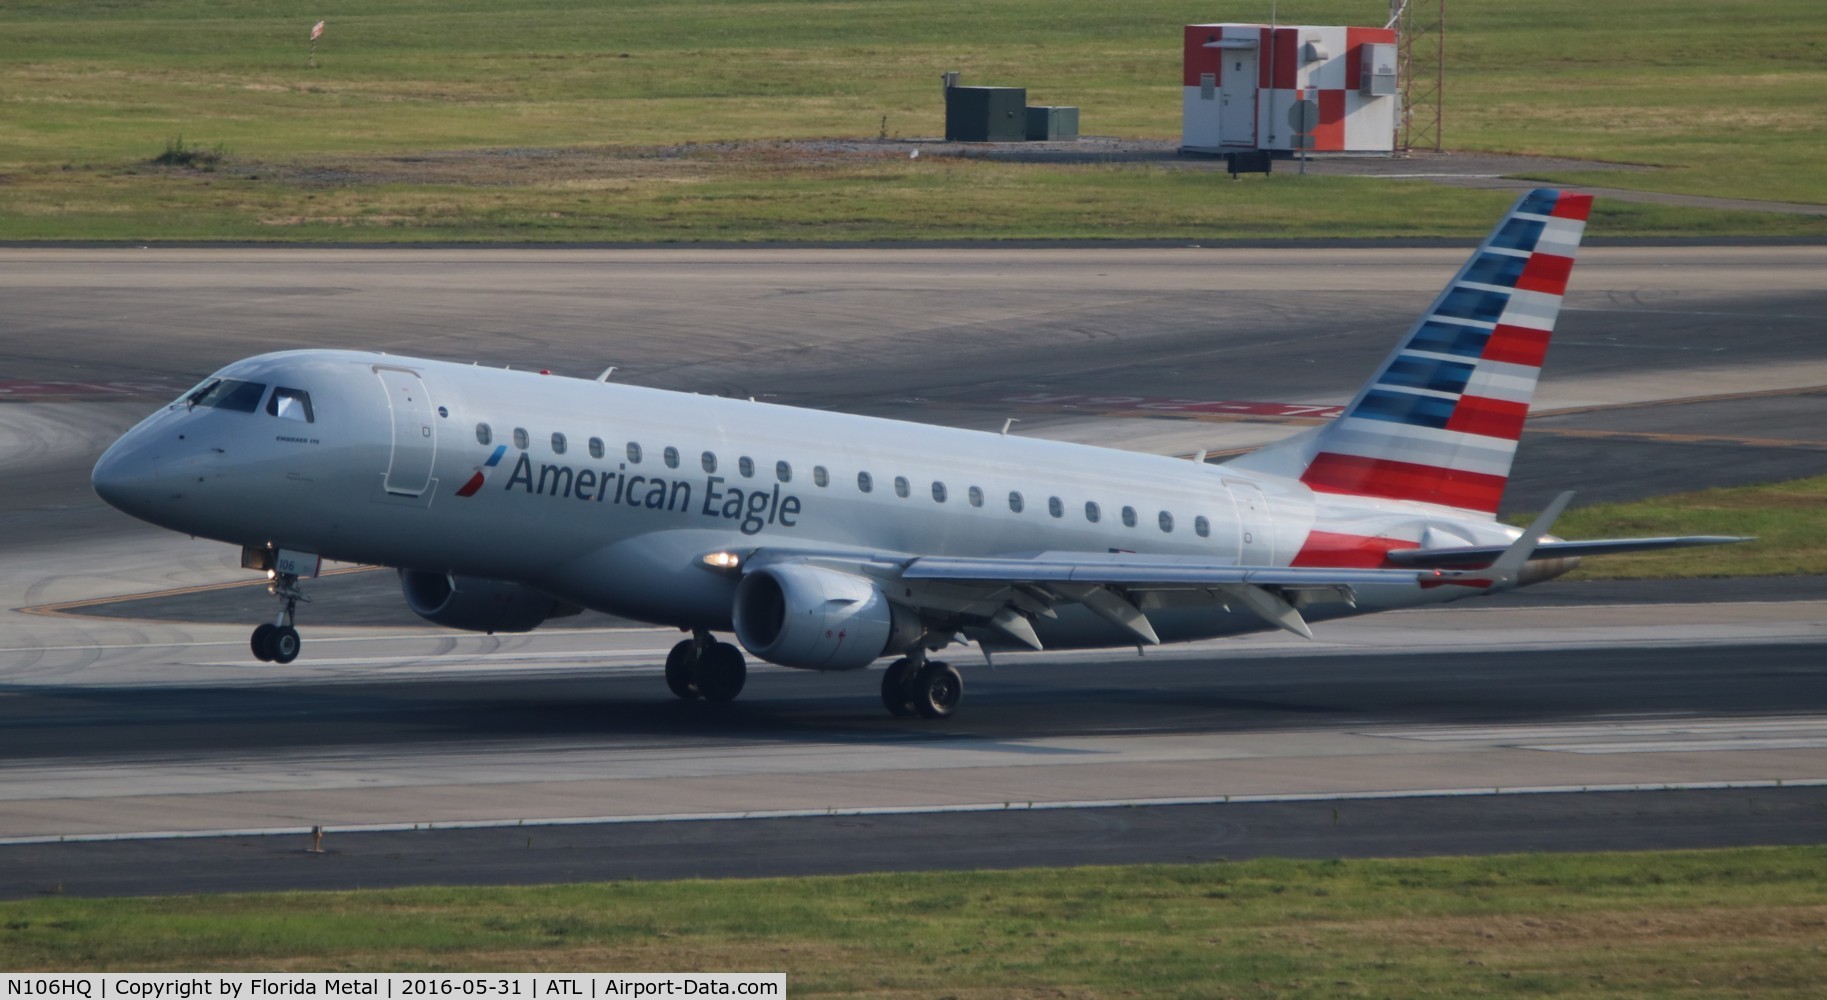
(291, 404)
(229, 394)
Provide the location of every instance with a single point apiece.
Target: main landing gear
(913, 685)
(277, 641)
(701, 667)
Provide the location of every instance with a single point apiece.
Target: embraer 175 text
(828, 541)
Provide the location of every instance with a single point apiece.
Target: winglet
(1508, 567)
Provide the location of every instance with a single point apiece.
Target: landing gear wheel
(261, 642)
(277, 641)
(895, 694)
(721, 672)
(936, 690)
(282, 645)
(679, 664)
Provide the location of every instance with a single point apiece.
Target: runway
(1675, 368)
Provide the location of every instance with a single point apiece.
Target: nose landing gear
(277, 641)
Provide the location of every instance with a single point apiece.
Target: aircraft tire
(261, 642)
(283, 644)
(721, 672)
(895, 686)
(937, 689)
(679, 670)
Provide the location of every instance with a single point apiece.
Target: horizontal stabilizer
(1484, 555)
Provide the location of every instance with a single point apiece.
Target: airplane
(829, 541)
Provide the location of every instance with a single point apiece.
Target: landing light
(723, 561)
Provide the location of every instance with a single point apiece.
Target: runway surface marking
(979, 807)
(72, 609)
(364, 785)
(1802, 732)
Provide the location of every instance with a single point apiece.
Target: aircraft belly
(658, 577)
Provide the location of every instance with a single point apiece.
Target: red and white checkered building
(1242, 81)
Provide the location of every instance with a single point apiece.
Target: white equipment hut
(1245, 85)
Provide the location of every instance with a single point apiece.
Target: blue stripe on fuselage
(1427, 373)
(1405, 408)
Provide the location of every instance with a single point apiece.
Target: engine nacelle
(816, 618)
(477, 605)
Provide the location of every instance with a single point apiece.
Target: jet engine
(819, 619)
(478, 605)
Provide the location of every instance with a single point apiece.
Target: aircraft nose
(127, 478)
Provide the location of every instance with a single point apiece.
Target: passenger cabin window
(483, 434)
(783, 472)
(820, 477)
(746, 466)
(634, 453)
(229, 394)
(901, 489)
(976, 495)
(671, 456)
(1202, 527)
(596, 447)
(709, 461)
(938, 491)
(1056, 507)
(1091, 511)
(864, 482)
(1129, 517)
(520, 438)
(291, 404)
(558, 443)
(1015, 501)
(1167, 521)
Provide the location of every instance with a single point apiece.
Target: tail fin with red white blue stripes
(1439, 421)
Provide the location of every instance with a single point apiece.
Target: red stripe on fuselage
(1378, 477)
(1573, 206)
(1517, 345)
(1498, 418)
(1327, 548)
(1545, 272)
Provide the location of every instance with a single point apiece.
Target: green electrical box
(1045, 124)
(986, 114)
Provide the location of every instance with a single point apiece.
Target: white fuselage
(385, 473)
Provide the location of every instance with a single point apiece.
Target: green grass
(1671, 924)
(1789, 521)
(745, 201)
(93, 90)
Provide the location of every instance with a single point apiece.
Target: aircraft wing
(1474, 556)
(1142, 571)
(1004, 594)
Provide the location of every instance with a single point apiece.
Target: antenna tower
(1421, 62)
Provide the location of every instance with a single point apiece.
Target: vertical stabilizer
(1439, 421)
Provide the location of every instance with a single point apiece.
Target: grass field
(93, 91)
(1788, 520)
(1674, 924)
